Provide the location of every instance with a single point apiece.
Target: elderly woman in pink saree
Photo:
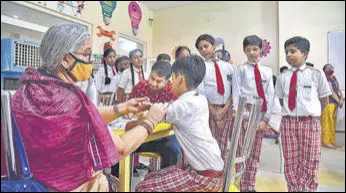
(65, 136)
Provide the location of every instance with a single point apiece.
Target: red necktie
(219, 81)
(113, 71)
(259, 87)
(140, 78)
(292, 95)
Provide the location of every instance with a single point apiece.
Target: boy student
(158, 89)
(216, 86)
(302, 88)
(254, 79)
(200, 168)
(163, 57)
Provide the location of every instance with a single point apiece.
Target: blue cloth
(27, 184)
(168, 148)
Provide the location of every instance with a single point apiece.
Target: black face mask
(107, 80)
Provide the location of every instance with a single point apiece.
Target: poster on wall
(265, 48)
(108, 8)
(74, 8)
(135, 14)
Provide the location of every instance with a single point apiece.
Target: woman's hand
(341, 102)
(132, 106)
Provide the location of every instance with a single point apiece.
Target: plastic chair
(107, 99)
(7, 136)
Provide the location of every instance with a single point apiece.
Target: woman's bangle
(147, 126)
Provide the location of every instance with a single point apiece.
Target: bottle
(91, 91)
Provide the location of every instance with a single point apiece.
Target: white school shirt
(189, 115)
(244, 84)
(208, 86)
(83, 85)
(311, 86)
(100, 77)
(126, 79)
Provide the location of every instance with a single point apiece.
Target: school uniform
(168, 147)
(126, 80)
(254, 79)
(100, 78)
(200, 168)
(301, 125)
(216, 86)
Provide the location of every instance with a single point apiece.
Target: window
(125, 45)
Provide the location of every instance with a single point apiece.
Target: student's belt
(307, 118)
(210, 173)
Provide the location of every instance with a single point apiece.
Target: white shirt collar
(249, 62)
(301, 68)
(188, 94)
(135, 69)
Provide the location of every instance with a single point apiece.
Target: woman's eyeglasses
(86, 55)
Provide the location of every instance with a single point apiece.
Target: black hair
(192, 68)
(309, 64)
(301, 43)
(252, 40)
(120, 59)
(163, 57)
(131, 65)
(162, 68)
(205, 37)
(282, 69)
(325, 66)
(105, 54)
(180, 49)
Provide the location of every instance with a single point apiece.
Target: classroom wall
(312, 20)
(120, 23)
(230, 20)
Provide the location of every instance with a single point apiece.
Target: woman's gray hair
(59, 40)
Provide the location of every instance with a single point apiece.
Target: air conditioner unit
(16, 55)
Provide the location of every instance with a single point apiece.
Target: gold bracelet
(116, 110)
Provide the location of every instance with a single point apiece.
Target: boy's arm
(323, 89)
(121, 87)
(236, 84)
(270, 93)
(120, 94)
(172, 113)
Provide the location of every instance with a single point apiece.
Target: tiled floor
(269, 178)
(331, 174)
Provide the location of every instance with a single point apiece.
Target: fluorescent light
(15, 16)
(23, 24)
